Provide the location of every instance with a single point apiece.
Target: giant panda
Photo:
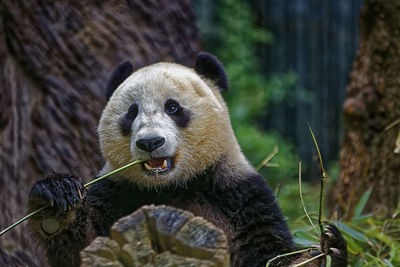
(175, 118)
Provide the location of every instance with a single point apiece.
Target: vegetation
(371, 242)
(250, 92)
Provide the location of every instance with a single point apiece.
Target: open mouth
(158, 165)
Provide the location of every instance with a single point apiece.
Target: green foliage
(257, 144)
(370, 241)
(250, 91)
(239, 37)
(289, 201)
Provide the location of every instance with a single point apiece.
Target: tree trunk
(159, 236)
(368, 157)
(55, 60)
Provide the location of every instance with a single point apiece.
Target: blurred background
(288, 64)
(291, 60)
(333, 64)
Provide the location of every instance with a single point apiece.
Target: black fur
(126, 121)
(63, 193)
(333, 239)
(117, 77)
(211, 68)
(181, 117)
(245, 208)
(247, 205)
(60, 191)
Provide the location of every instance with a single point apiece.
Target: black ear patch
(211, 68)
(117, 77)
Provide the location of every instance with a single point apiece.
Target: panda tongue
(156, 163)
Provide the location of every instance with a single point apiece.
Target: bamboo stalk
(286, 254)
(302, 201)
(322, 178)
(85, 185)
(307, 261)
(267, 159)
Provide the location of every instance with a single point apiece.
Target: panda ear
(118, 76)
(211, 68)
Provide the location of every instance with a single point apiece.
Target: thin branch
(113, 172)
(307, 261)
(23, 219)
(86, 185)
(392, 124)
(302, 201)
(322, 191)
(287, 254)
(267, 158)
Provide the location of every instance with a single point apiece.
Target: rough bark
(368, 157)
(159, 236)
(55, 59)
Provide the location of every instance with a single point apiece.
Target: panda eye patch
(132, 111)
(180, 115)
(127, 120)
(172, 106)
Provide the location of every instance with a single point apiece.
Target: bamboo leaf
(362, 218)
(304, 239)
(388, 263)
(361, 203)
(352, 246)
(352, 232)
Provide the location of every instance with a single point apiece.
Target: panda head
(172, 116)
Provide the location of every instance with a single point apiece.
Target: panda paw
(333, 244)
(60, 192)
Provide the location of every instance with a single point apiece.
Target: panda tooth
(164, 165)
(147, 166)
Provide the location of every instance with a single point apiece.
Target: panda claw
(80, 194)
(332, 243)
(60, 192)
(335, 251)
(329, 234)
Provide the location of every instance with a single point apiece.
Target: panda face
(168, 116)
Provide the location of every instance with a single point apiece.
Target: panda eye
(180, 115)
(171, 106)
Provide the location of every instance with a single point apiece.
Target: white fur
(207, 139)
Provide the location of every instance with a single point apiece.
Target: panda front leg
(333, 244)
(259, 232)
(62, 228)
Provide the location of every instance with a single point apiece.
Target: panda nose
(150, 144)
